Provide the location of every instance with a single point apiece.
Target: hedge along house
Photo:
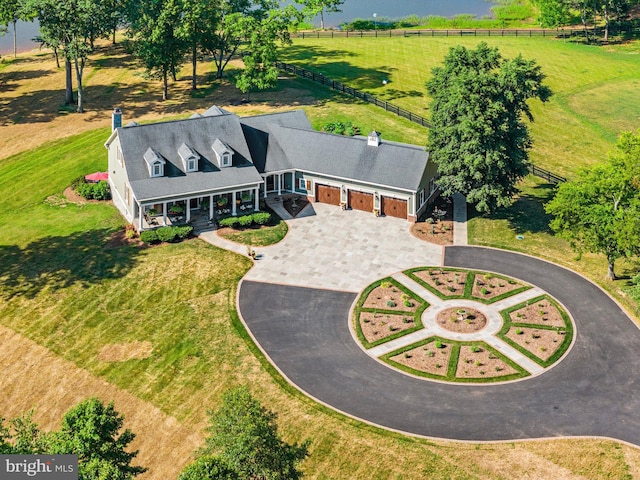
(219, 164)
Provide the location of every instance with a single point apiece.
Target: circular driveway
(594, 391)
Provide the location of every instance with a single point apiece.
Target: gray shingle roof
(199, 133)
(390, 164)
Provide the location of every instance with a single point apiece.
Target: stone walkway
(459, 219)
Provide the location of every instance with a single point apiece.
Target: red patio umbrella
(96, 177)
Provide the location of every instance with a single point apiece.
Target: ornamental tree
(478, 137)
(599, 212)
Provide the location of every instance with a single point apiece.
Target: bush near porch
(262, 229)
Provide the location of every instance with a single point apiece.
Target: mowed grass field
(595, 88)
(69, 299)
(595, 98)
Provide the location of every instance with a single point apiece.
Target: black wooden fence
(341, 87)
(546, 174)
(488, 32)
(389, 107)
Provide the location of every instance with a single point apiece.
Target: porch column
(233, 204)
(265, 186)
(210, 207)
(279, 184)
(256, 199)
(139, 218)
(164, 213)
(187, 204)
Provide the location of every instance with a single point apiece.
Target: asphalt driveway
(594, 391)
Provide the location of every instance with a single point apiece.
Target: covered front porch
(154, 214)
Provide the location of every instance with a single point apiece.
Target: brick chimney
(116, 119)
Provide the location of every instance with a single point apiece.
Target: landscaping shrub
(149, 236)
(93, 191)
(183, 231)
(261, 218)
(245, 220)
(229, 222)
(166, 234)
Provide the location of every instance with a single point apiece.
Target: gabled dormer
(155, 163)
(223, 154)
(189, 158)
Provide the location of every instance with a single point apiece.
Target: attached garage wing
(327, 194)
(393, 207)
(361, 201)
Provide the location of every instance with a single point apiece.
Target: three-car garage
(365, 201)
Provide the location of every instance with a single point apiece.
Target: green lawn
(260, 236)
(63, 286)
(595, 87)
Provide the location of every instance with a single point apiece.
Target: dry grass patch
(121, 352)
(35, 378)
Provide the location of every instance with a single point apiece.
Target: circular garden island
(464, 326)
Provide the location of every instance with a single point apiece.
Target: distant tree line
(558, 13)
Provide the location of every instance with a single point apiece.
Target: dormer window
(223, 153)
(189, 158)
(155, 163)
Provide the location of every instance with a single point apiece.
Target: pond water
(350, 9)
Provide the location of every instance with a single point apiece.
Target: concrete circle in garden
(457, 325)
(461, 320)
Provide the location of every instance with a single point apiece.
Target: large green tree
(318, 7)
(200, 19)
(262, 36)
(155, 27)
(478, 137)
(72, 26)
(244, 435)
(92, 430)
(599, 212)
(208, 468)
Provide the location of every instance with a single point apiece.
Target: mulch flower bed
(461, 320)
(450, 283)
(426, 358)
(542, 343)
(491, 286)
(389, 297)
(541, 312)
(440, 232)
(481, 363)
(375, 325)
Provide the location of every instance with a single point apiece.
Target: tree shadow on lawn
(54, 263)
(526, 214)
(341, 70)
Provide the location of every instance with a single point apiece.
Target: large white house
(219, 163)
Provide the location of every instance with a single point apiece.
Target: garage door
(327, 194)
(361, 201)
(394, 207)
